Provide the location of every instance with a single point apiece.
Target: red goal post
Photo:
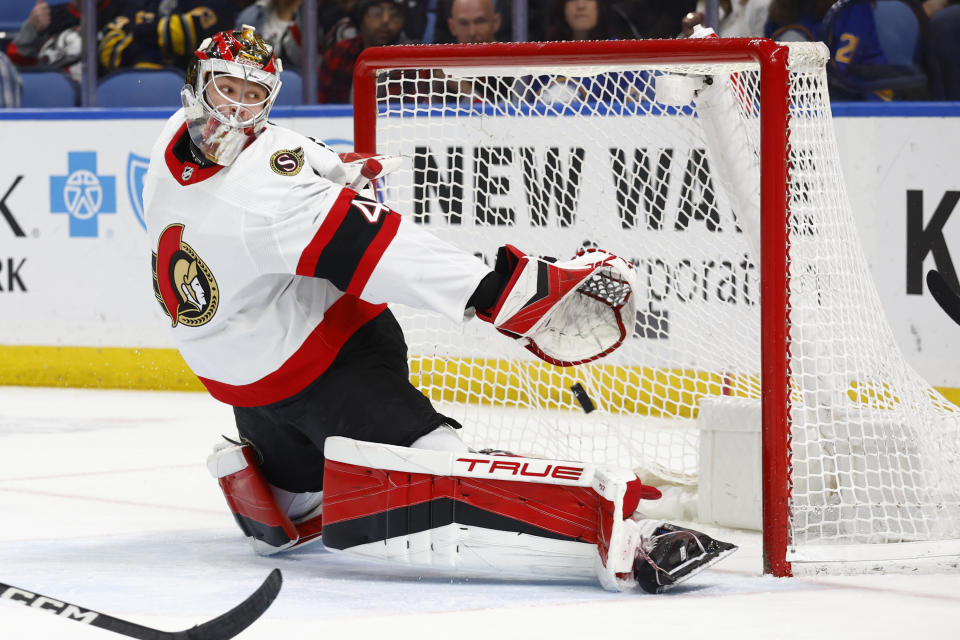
(780, 387)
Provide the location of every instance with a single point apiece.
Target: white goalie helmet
(231, 85)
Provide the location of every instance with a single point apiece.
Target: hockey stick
(947, 298)
(220, 628)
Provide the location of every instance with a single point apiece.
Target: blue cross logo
(83, 194)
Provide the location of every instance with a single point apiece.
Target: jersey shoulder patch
(287, 162)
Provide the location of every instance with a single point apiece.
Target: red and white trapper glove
(566, 313)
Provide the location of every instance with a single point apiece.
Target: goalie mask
(231, 85)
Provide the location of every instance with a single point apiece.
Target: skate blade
(706, 565)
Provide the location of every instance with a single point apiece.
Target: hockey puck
(581, 395)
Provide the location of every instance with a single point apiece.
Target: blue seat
(898, 31)
(13, 13)
(43, 89)
(291, 91)
(140, 88)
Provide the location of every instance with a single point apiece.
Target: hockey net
(553, 148)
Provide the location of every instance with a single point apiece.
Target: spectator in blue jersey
(857, 61)
(11, 87)
(151, 34)
(945, 27)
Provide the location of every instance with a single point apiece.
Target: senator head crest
(182, 282)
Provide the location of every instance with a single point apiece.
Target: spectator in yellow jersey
(159, 33)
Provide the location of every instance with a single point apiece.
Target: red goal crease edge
(772, 59)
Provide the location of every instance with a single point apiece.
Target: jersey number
(846, 51)
(371, 210)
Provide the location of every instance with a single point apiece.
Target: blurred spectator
(381, 23)
(11, 87)
(945, 27)
(474, 21)
(271, 19)
(336, 23)
(654, 18)
(855, 53)
(50, 38)
(582, 20)
(535, 21)
(150, 34)
(275, 22)
(424, 21)
(333, 25)
(932, 6)
(796, 20)
(738, 18)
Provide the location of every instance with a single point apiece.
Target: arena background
(76, 306)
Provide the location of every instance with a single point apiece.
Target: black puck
(581, 395)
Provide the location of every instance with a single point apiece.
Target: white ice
(105, 502)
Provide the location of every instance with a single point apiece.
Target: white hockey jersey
(268, 266)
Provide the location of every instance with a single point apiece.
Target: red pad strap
(253, 504)
(637, 491)
(309, 529)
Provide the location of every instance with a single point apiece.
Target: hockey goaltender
(275, 263)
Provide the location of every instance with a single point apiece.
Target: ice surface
(105, 502)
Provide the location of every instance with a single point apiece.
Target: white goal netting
(552, 158)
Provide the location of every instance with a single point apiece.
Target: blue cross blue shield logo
(136, 170)
(83, 194)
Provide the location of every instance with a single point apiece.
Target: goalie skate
(673, 554)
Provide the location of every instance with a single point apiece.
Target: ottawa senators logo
(182, 283)
(287, 162)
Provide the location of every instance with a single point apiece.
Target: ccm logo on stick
(48, 604)
(517, 468)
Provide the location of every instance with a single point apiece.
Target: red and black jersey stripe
(349, 243)
(314, 356)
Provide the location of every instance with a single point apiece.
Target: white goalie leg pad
(470, 513)
(615, 570)
(443, 438)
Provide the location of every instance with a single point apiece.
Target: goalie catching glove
(566, 313)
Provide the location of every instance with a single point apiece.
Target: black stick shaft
(947, 298)
(222, 627)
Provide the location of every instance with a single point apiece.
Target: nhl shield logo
(136, 170)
